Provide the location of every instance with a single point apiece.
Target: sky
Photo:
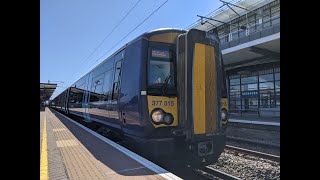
(72, 30)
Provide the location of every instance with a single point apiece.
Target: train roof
(160, 31)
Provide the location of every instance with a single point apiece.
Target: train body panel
(130, 92)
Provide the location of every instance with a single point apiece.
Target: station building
(46, 90)
(249, 32)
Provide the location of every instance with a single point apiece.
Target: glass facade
(255, 20)
(255, 90)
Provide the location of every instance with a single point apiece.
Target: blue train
(163, 91)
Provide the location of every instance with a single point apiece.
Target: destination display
(160, 53)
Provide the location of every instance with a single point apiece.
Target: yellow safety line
(44, 152)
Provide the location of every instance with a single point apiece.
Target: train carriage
(165, 90)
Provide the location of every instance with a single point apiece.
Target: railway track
(273, 145)
(255, 153)
(212, 173)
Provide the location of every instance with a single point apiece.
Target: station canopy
(224, 14)
(46, 90)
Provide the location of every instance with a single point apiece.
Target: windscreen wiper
(164, 87)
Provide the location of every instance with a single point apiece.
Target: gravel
(247, 167)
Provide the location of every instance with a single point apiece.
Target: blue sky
(70, 30)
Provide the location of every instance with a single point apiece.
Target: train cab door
(199, 88)
(115, 112)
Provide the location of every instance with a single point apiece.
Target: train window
(119, 56)
(94, 97)
(115, 91)
(159, 71)
(161, 64)
(79, 97)
(116, 82)
(107, 85)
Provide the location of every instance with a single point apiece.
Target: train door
(116, 114)
(200, 76)
(67, 100)
(86, 99)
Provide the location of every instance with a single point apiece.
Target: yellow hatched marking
(44, 152)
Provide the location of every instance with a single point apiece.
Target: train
(164, 91)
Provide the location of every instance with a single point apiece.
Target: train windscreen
(161, 69)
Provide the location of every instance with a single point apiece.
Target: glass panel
(235, 105)
(267, 102)
(267, 98)
(278, 100)
(277, 84)
(266, 85)
(159, 71)
(94, 97)
(266, 77)
(277, 76)
(275, 21)
(235, 76)
(117, 72)
(79, 97)
(115, 90)
(107, 83)
(235, 94)
(97, 89)
(249, 87)
(234, 81)
(235, 35)
(235, 88)
(247, 80)
(116, 84)
(249, 106)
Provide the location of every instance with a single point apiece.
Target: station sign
(249, 93)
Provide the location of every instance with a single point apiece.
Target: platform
(68, 150)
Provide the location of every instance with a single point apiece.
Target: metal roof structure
(46, 90)
(227, 12)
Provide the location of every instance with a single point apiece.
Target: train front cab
(202, 93)
(188, 101)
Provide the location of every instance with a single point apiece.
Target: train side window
(116, 82)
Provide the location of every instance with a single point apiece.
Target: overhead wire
(129, 33)
(133, 29)
(82, 62)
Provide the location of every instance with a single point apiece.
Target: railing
(257, 112)
(250, 29)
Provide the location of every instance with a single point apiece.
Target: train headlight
(157, 115)
(168, 119)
